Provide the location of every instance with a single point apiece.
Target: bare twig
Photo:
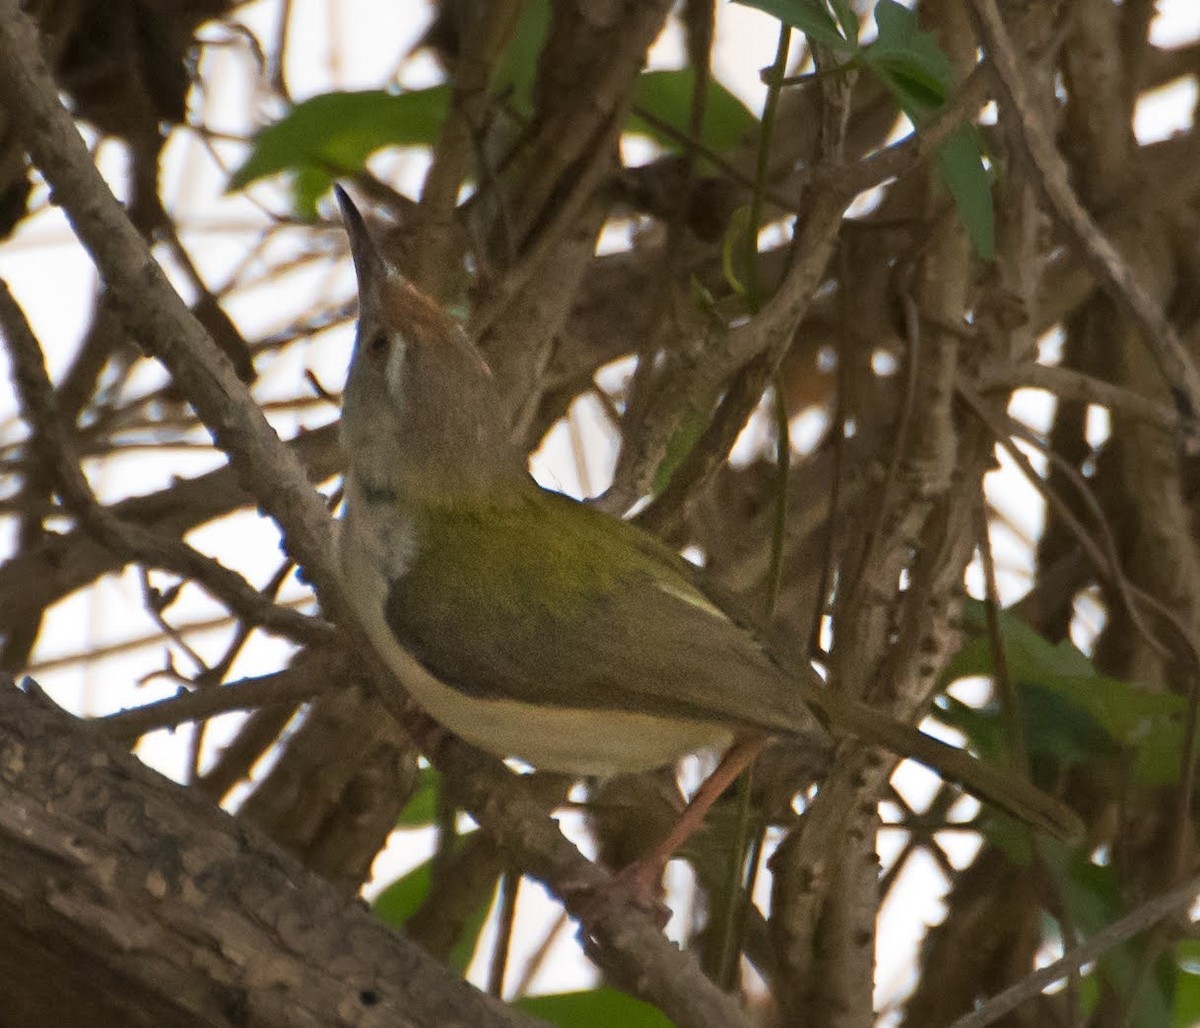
(250, 693)
(1144, 916)
(1104, 554)
(1069, 384)
(152, 309)
(132, 542)
(1030, 138)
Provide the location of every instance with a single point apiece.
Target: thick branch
(128, 900)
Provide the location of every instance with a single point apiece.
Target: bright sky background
(354, 44)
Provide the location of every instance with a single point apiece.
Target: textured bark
(127, 900)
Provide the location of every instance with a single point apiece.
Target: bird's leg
(638, 883)
(737, 758)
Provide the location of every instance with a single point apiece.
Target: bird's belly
(569, 740)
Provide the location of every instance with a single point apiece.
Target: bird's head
(420, 410)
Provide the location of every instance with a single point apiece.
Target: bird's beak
(369, 265)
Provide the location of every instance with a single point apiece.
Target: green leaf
(421, 810)
(667, 95)
(812, 18)
(1187, 1000)
(517, 70)
(912, 95)
(961, 165)
(1124, 710)
(595, 1008)
(1158, 758)
(1187, 952)
(334, 134)
(1070, 711)
(403, 898)
(687, 433)
(703, 296)
(847, 19)
(904, 51)
(734, 248)
(397, 902)
(464, 950)
(1187, 985)
(1095, 898)
(1051, 727)
(913, 67)
(1028, 652)
(308, 184)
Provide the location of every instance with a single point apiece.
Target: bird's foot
(639, 886)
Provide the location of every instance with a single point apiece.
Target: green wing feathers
(548, 601)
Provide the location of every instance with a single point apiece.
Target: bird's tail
(1000, 786)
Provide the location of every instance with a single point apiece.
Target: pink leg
(737, 758)
(638, 882)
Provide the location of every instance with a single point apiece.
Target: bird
(538, 627)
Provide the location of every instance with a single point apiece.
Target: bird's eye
(378, 344)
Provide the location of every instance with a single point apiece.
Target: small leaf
(918, 74)
(397, 902)
(421, 809)
(734, 249)
(463, 951)
(335, 133)
(1187, 985)
(902, 48)
(517, 70)
(912, 95)
(962, 169)
(812, 18)
(847, 19)
(667, 95)
(1187, 1000)
(595, 1008)
(687, 434)
(308, 184)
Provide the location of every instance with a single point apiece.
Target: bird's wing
(548, 601)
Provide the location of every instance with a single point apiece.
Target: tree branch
(128, 900)
(1030, 139)
(155, 312)
(132, 542)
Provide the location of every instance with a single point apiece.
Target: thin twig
(1144, 916)
(50, 439)
(1031, 139)
(156, 314)
(248, 694)
(1070, 384)
(141, 642)
(1103, 555)
(510, 886)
